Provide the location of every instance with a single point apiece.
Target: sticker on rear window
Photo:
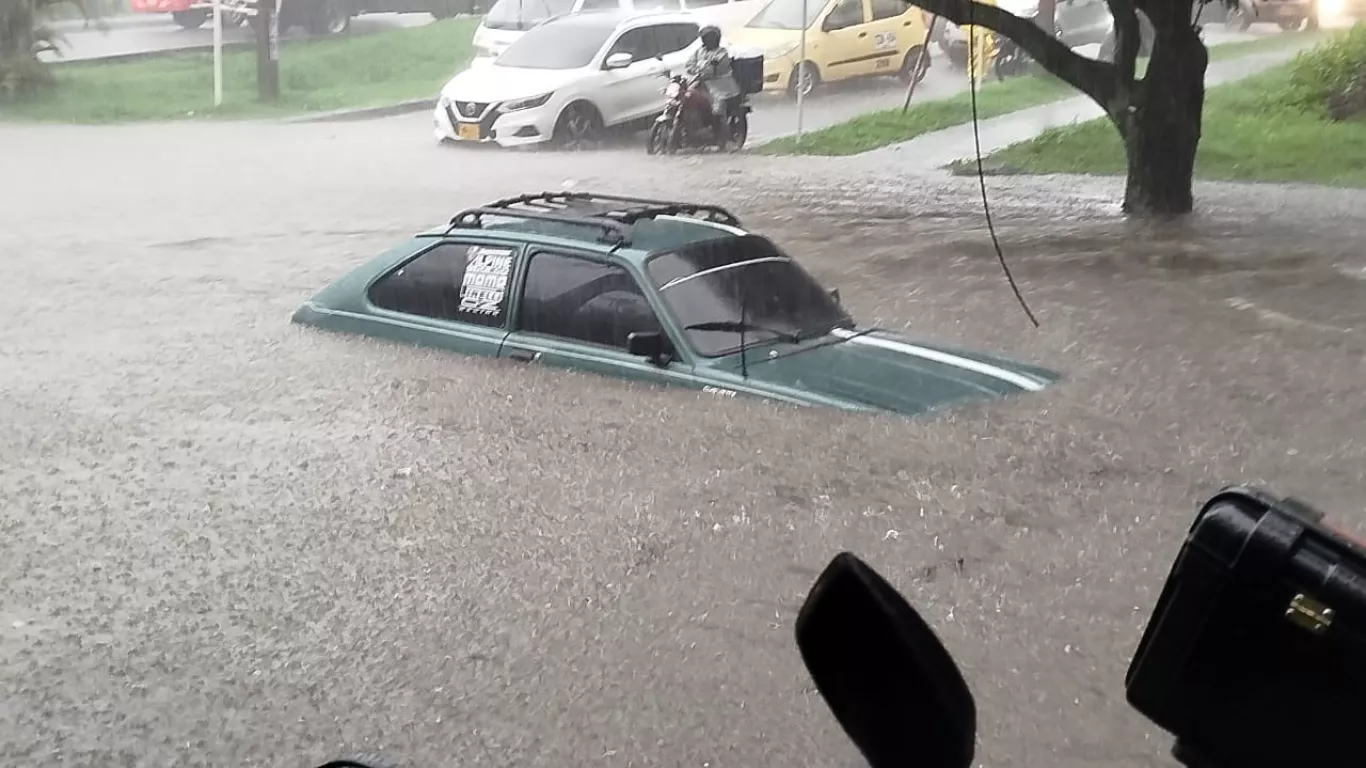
(484, 286)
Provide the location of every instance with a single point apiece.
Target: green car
(658, 291)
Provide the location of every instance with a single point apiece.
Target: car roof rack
(612, 215)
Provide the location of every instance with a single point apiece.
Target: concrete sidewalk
(933, 151)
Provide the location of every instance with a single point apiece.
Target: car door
(576, 311)
(453, 294)
(896, 28)
(846, 43)
(627, 93)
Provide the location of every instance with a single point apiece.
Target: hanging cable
(981, 174)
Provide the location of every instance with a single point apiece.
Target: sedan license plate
(468, 131)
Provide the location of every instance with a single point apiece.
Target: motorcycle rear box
(1255, 656)
(747, 64)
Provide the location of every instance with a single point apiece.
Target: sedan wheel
(579, 128)
(805, 77)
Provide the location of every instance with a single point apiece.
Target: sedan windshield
(745, 288)
(560, 44)
(524, 14)
(787, 14)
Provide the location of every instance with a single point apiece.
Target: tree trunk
(1161, 128)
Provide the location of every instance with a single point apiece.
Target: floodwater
(229, 541)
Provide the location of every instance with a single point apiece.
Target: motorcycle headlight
(531, 103)
(672, 90)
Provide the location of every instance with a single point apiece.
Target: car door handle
(523, 355)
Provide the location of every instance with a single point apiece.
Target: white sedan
(568, 79)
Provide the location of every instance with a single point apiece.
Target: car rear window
(454, 281)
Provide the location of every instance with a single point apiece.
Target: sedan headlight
(531, 103)
(777, 52)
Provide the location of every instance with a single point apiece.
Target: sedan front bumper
(485, 123)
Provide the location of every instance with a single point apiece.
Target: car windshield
(787, 14)
(524, 14)
(724, 289)
(556, 45)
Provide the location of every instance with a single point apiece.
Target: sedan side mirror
(651, 345)
(835, 296)
(888, 680)
(620, 60)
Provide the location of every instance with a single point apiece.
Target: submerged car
(667, 292)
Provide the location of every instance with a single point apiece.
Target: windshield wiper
(735, 326)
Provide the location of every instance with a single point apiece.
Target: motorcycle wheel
(739, 132)
(658, 141)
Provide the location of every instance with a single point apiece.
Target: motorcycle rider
(710, 64)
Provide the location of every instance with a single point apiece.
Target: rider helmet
(711, 37)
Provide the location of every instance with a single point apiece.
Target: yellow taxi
(845, 39)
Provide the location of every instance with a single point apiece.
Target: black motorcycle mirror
(891, 684)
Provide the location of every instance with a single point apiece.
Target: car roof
(631, 228)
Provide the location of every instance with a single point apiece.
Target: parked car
(658, 291)
(319, 17)
(568, 80)
(1076, 22)
(508, 20)
(845, 40)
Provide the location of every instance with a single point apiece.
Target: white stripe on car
(976, 366)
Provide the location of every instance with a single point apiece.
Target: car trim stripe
(706, 223)
(686, 278)
(976, 366)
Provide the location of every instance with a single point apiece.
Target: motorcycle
(686, 122)
(1252, 657)
(1010, 60)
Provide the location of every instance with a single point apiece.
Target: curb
(364, 113)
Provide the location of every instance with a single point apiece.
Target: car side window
(705, 3)
(672, 38)
(453, 281)
(846, 13)
(639, 42)
(582, 300)
(600, 5)
(889, 9)
(658, 5)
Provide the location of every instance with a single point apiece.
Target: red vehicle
(321, 17)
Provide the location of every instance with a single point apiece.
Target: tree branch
(1093, 78)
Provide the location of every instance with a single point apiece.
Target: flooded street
(229, 541)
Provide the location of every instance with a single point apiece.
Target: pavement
(940, 148)
(229, 541)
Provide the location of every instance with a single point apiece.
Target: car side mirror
(620, 60)
(882, 671)
(835, 296)
(652, 345)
